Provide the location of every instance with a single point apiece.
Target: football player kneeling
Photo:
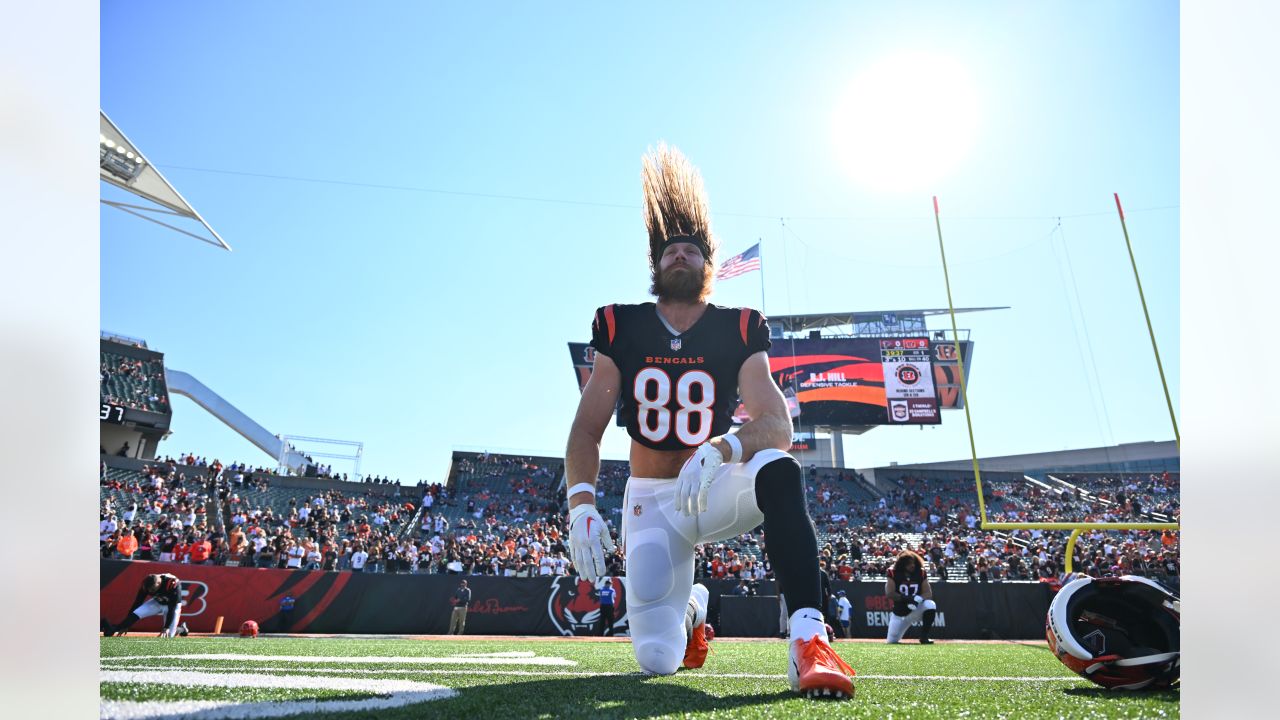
(160, 594)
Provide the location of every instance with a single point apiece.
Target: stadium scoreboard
(837, 382)
(908, 381)
(858, 381)
(111, 413)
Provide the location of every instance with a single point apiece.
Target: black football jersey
(170, 589)
(169, 593)
(909, 584)
(677, 390)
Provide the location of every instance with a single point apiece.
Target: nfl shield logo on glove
(675, 343)
(637, 510)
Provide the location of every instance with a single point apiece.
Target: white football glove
(589, 541)
(695, 479)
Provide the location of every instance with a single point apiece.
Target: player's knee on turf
(658, 658)
(658, 638)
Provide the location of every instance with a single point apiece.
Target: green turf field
(410, 678)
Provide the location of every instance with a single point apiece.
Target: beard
(682, 283)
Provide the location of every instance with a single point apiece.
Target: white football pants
(898, 624)
(154, 607)
(658, 544)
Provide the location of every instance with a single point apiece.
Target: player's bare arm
(892, 591)
(582, 457)
(926, 590)
(589, 540)
(770, 423)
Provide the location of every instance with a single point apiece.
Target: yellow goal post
(1075, 527)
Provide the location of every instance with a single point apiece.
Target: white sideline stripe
(398, 660)
(516, 654)
(970, 678)
(587, 673)
(397, 693)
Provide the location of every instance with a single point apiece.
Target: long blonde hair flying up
(675, 203)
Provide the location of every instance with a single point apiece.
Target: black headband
(691, 239)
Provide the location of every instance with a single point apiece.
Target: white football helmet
(1119, 632)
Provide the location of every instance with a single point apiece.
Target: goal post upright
(1076, 528)
(955, 338)
(1155, 349)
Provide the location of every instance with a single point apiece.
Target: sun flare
(906, 121)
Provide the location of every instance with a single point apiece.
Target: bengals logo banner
(574, 606)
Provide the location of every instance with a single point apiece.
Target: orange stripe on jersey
(608, 321)
(742, 324)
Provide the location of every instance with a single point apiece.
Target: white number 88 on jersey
(653, 395)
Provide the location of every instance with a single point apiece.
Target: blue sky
(374, 309)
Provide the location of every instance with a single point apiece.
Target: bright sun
(906, 121)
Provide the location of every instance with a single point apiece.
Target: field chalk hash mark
(393, 693)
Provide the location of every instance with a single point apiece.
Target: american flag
(740, 264)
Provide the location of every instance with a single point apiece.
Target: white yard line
(586, 673)
(394, 693)
(530, 659)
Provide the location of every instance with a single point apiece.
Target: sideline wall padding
(345, 602)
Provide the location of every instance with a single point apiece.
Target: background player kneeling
(912, 597)
(160, 594)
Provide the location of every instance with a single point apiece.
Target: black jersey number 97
(653, 391)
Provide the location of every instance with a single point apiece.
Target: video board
(842, 381)
(858, 381)
(946, 372)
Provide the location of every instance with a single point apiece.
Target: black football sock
(928, 622)
(790, 540)
(123, 627)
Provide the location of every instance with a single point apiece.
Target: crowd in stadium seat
(132, 383)
(1127, 495)
(504, 515)
(141, 511)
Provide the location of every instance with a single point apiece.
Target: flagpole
(760, 242)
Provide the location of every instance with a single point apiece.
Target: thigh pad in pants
(731, 501)
(658, 543)
(149, 608)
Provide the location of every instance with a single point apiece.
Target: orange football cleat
(817, 671)
(695, 623)
(695, 651)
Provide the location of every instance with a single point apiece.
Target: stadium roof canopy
(817, 321)
(122, 164)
